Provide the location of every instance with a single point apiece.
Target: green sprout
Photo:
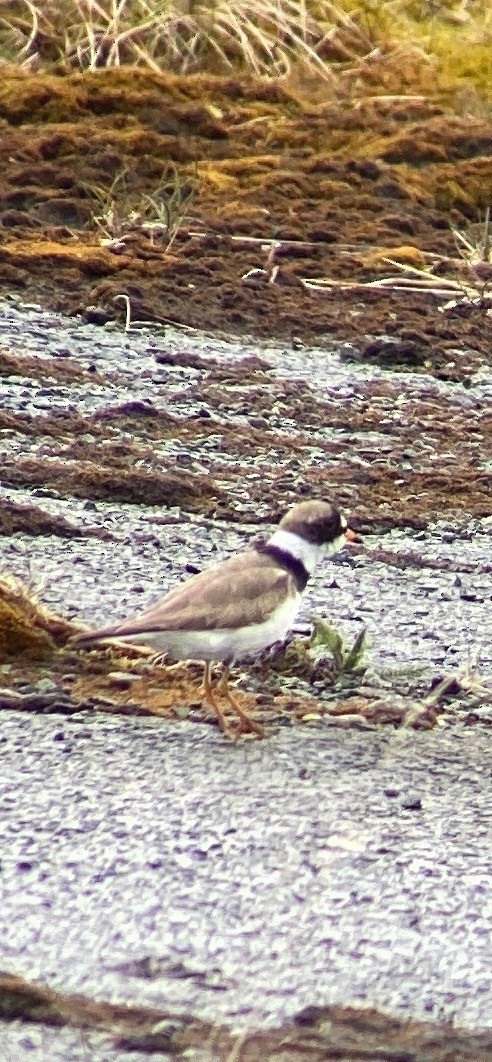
(345, 657)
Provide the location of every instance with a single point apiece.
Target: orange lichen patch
(406, 255)
(27, 629)
(171, 692)
(156, 694)
(92, 261)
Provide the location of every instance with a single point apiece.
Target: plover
(239, 607)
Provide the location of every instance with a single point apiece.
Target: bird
(240, 606)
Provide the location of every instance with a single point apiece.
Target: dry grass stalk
(28, 628)
(265, 37)
(472, 287)
(464, 678)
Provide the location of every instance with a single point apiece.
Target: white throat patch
(306, 552)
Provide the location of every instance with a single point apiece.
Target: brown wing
(210, 599)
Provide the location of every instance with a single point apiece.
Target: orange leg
(248, 724)
(208, 695)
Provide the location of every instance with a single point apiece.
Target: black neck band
(293, 565)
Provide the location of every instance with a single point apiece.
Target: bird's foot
(246, 724)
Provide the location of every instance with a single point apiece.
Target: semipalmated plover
(239, 607)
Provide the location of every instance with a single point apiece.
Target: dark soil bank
(341, 185)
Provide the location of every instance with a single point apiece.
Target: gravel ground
(255, 879)
(156, 862)
(416, 618)
(434, 618)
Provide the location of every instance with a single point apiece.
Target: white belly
(224, 643)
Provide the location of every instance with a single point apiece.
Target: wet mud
(170, 190)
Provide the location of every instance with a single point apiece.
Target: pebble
(349, 721)
(42, 686)
(122, 679)
(412, 802)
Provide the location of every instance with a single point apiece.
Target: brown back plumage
(209, 600)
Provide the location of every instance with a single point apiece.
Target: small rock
(122, 679)
(43, 686)
(265, 698)
(182, 711)
(96, 315)
(6, 691)
(412, 802)
(348, 722)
